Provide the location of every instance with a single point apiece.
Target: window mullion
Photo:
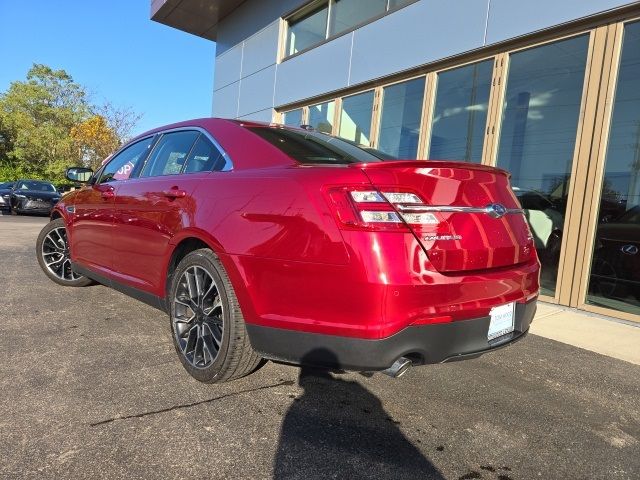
(329, 14)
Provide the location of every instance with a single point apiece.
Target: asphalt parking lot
(91, 388)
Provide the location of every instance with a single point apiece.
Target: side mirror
(79, 174)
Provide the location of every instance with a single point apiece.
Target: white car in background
(545, 221)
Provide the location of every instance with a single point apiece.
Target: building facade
(549, 90)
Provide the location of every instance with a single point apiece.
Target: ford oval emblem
(629, 249)
(496, 210)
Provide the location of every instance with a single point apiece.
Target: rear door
(151, 209)
(92, 220)
(466, 218)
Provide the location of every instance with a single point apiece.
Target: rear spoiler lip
(429, 164)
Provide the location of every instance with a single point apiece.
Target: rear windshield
(312, 148)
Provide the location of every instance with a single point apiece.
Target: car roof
(33, 180)
(245, 149)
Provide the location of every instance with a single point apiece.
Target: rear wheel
(52, 250)
(206, 322)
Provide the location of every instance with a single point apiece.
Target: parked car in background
(546, 221)
(33, 196)
(267, 242)
(615, 272)
(5, 195)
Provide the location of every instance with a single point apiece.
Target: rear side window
(204, 157)
(170, 154)
(312, 148)
(122, 165)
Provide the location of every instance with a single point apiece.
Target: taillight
(360, 208)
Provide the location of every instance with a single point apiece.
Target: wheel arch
(193, 239)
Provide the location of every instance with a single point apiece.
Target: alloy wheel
(55, 253)
(198, 317)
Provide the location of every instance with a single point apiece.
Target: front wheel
(206, 322)
(52, 250)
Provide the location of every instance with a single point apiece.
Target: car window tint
(204, 157)
(169, 154)
(36, 186)
(308, 147)
(121, 166)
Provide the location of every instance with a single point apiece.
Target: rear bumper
(425, 344)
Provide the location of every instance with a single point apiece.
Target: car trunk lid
(468, 217)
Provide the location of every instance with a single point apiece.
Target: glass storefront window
(292, 118)
(308, 30)
(347, 14)
(537, 140)
(355, 118)
(615, 263)
(460, 113)
(321, 116)
(331, 18)
(400, 118)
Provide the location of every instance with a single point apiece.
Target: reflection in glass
(292, 118)
(308, 30)
(400, 120)
(355, 118)
(460, 113)
(321, 116)
(399, 3)
(537, 140)
(615, 266)
(346, 14)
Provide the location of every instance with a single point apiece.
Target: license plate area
(502, 320)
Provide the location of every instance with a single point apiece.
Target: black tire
(213, 320)
(52, 246)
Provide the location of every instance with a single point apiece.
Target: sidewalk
(584, 330)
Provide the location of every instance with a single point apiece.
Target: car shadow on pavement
(338, 429)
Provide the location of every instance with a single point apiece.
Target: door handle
(107, 194)
(175, 192)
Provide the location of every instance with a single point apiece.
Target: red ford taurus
(268, 242)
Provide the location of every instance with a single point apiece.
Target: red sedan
(268, 242)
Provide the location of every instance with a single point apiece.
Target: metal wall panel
(260, 50)
(256, 91)
(225, 101)
(426, 31)
(228, 67)
(261, 116)
(509, 18)
(251, 17)
(320, 70)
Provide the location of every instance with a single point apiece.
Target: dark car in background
(5, 195)
(33, 196)
(616, 265)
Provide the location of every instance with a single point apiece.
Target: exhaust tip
(399, 367)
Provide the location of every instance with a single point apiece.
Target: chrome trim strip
(489, 209)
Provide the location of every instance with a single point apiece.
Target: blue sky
(115, 50)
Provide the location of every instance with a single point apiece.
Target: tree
(95, 140)
(48, 123)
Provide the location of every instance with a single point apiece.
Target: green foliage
(37, 119)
